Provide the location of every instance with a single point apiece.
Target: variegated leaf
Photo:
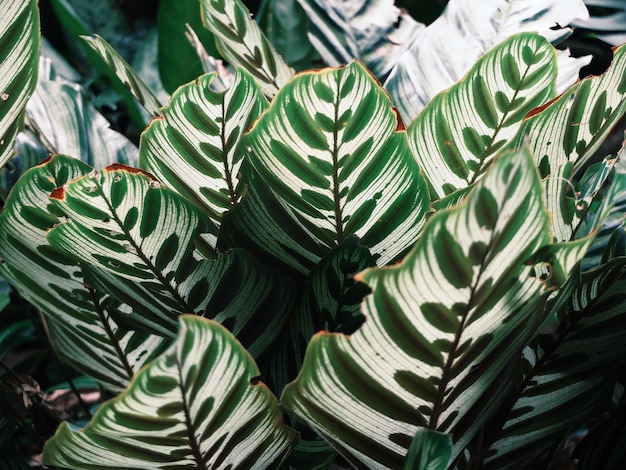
(124, 73)
(572, 127)
(194, 148)
(19, 55)
(443, 53)
(199, 405)
(569, 374)
(457, 135)
(441, 328)
(124, 222)
(337, 161)
(54, 281)
(241, 42)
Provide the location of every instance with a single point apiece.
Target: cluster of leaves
(445, 294)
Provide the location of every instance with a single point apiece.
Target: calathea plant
(289, 276)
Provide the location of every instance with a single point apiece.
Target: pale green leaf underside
(123, 221)
(19, 55)
(71, 125)
(444, 51)
(464, 127)
(54, 281)
(590, 344)
(241, 42)
(196, 406)
(331, 150)
(440, 328)
(194, 147)
(124, 73)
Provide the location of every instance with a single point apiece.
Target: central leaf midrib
(447, 369)
(169, 288)
(488, 150)
(112, 339)
(193, 442)
(335, 157)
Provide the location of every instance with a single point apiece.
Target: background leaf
(177, 59)
(241, 42)
(374, 32)
(19, 55)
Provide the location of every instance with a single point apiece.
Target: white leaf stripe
(330, 149)
(194, 148)
(467, 124)
(440, 328)
(83, 331)
(124, 73)
(19, 56)
(195, 406)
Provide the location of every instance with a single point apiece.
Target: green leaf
(467, 124)
(194, 148)
(429, 450)
(124, 73)
(603, 444)
(54, 281)
(285, 24)
(441, 328)
(444, 51)
(571, 128)
(177, 59)
(339, 165)
(569, 373)
(19, 56)
(199, 405)
(342, 32)
(242, 43)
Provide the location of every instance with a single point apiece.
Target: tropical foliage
(412, 257)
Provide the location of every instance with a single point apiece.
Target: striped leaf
(330, 299)
(342, 31)
(335, 158)
(19, 56)
(466, 125)
(241, 42)
(444, 51)
(194, 148)
(441, 328)
(54, 281)
(124, 73)
(573, 126)
(121, 221)
(570, 374)
(199, 405)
